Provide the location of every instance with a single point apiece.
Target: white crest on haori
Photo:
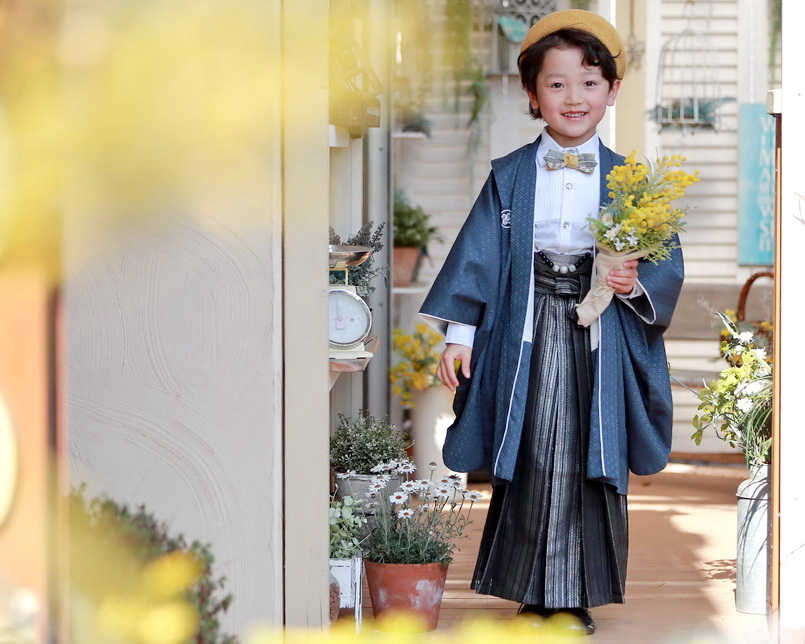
(506, 218)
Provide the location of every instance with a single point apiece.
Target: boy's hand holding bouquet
(638, 222)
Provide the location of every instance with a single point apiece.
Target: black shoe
(534, 609)
(584, 621)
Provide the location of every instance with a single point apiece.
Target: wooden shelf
(421, 136)
(351, 365)
(413, 289)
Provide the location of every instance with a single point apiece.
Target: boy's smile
(571, 98)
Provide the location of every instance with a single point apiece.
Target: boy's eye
(591, 83)
(556, 85)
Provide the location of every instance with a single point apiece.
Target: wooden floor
(681, 578)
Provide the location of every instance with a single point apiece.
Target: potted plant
(409, 549)
(738, 404)
(412, 233)
(347, 524)
(356, 446)
(413, 378)
(361, 276)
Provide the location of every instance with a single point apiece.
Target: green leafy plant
(125, 561)
(419, 523)
(463, 67)
(361, 276)
(357, 445)
(412, 224)
(738, 403)
(346, 528)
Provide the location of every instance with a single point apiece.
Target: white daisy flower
(424, 484)
(381, 478)
(372, 505)
(472, 496)
(380, 467)
(432, 466)
(445, 480)
(376, 487)
(407, 468)
(344, 475)
(442, 491)
(398, 498)
(760, 352)
(371, 494)
(407, 513)
(745, 337)
(410, 486)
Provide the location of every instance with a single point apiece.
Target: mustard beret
(586, 21)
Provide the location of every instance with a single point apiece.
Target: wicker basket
(761, 329)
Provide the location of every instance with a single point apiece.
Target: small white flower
(371, 494)
(424, 484)
(606, 219)
(407, 468)
(745, 337)
(376, 487)
(380, 478)
(380, 467)
(472, 496)
(398, 498)
(445, 480)
(410, 486)
(372, 505)
(407, 513)
(760, 352)
(619, 245)
(344, 475)
(442, 491)
(612, 233)
(632, 239)
(432, 466)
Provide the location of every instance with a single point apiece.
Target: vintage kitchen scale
(350, 319)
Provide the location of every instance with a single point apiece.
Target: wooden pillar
(305, 190)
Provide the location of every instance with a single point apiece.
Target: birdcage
(511, 21)
(687, 89)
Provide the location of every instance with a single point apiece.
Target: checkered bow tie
(556, 160)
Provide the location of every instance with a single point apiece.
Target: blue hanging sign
(756, 186)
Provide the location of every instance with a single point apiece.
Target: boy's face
(571, 98)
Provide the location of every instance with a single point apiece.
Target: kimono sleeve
(466, 285)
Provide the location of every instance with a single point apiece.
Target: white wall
(173, 389)
(173, 280)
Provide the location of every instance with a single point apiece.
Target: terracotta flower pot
(405, 264)
(415, 589)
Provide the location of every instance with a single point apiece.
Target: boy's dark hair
(594, 54)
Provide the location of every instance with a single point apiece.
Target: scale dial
(350, 319)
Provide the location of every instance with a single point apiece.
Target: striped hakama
(553, 538)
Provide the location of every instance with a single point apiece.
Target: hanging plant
(463, 66)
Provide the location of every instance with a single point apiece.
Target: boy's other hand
(623, 280)
(446, 372)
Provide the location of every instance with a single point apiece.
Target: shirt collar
(547, 143)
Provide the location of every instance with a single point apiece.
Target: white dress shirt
(562, 204)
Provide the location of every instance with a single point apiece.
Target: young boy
(559, 413)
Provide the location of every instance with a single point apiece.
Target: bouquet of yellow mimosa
(639, 221)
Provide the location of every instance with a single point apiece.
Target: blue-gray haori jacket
(487, 281)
